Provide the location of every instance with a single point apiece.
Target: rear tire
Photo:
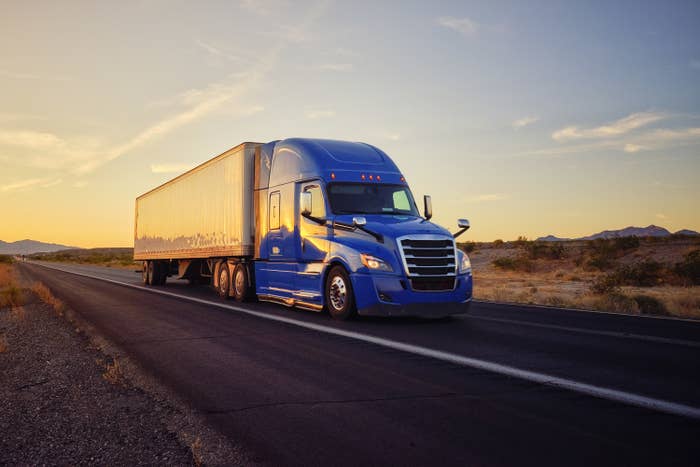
(241, 290)
(151, 273)
(340, 298)
(161, 272)
(224, 281)
(144, 273)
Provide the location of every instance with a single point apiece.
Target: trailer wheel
(241, 291)
(340, 299)
(144, 273)
(161, 272)
(224, 281)
(151, 273)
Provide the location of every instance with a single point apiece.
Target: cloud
(657, 139)
(45, 150)
(661, 216)
(80, 157)
(616, 128)
(694, 64)
(464, 26)
(26, 184)
(487, 197)
(315, 114)
(632, 148)
(217, 52)
(30, 76)
(523, 122)
(393, 136)
(52, 183)
(80, 184)
(340, 67)
(168, 168)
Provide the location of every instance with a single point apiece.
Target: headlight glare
(374, 263)
(465, 265)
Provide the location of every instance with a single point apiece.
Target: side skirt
(290, 302)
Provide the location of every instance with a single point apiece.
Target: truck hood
(394, 226)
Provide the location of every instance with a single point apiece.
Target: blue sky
(528, 118)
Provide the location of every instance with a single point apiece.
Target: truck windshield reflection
(364, 198)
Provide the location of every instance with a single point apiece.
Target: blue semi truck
(317, 224)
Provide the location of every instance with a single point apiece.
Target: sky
(527, 118)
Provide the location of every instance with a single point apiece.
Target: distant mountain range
(649, 231)
(28, 247)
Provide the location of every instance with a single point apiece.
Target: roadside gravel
(57, 408)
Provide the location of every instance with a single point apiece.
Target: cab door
(313, 245)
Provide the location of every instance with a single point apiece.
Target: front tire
(224, 281)
(340, 298)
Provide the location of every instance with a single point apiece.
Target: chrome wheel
(223, 281)
(338, 293)
(239, 282)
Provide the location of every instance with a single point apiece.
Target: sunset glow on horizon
(526, 118)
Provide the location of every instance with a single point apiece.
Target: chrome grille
(429, 257)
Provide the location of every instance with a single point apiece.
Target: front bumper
(387, 295)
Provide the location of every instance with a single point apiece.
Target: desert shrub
(600, 262)
(625, 243)
(606, 284)
(521, 242)
(648, 273)
(537, 250)
(617, 302)
(650, 305)
(519, 263)
(6, 259)
(467, 247)
(498, 242)
(689, 268)
(645, 274)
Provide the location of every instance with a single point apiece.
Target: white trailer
(204, 213)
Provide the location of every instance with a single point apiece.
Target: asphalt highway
(504, 385)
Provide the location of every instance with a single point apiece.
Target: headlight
(374, 263)
(464, 264)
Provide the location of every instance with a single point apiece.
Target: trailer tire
(151, 273)
(144, 273)
(241, 290)
(224, 281)
(340, 298)
(161, 272)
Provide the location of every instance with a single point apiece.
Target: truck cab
(336, 226)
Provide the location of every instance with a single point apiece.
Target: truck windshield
(367, 198)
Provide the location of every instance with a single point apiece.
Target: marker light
(363, 176)
(403, 179)
(379, 178)
(371, 177)
(332, 175)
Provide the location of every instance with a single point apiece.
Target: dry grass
(114, 373)
(10, 293)
(566, 281)
(196, 449)
(47, 297)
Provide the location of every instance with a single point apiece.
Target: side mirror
(305, 203)
(463, 224)
(427, 207)
(359, 221)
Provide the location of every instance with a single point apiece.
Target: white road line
(623, 335)
(658, 405)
